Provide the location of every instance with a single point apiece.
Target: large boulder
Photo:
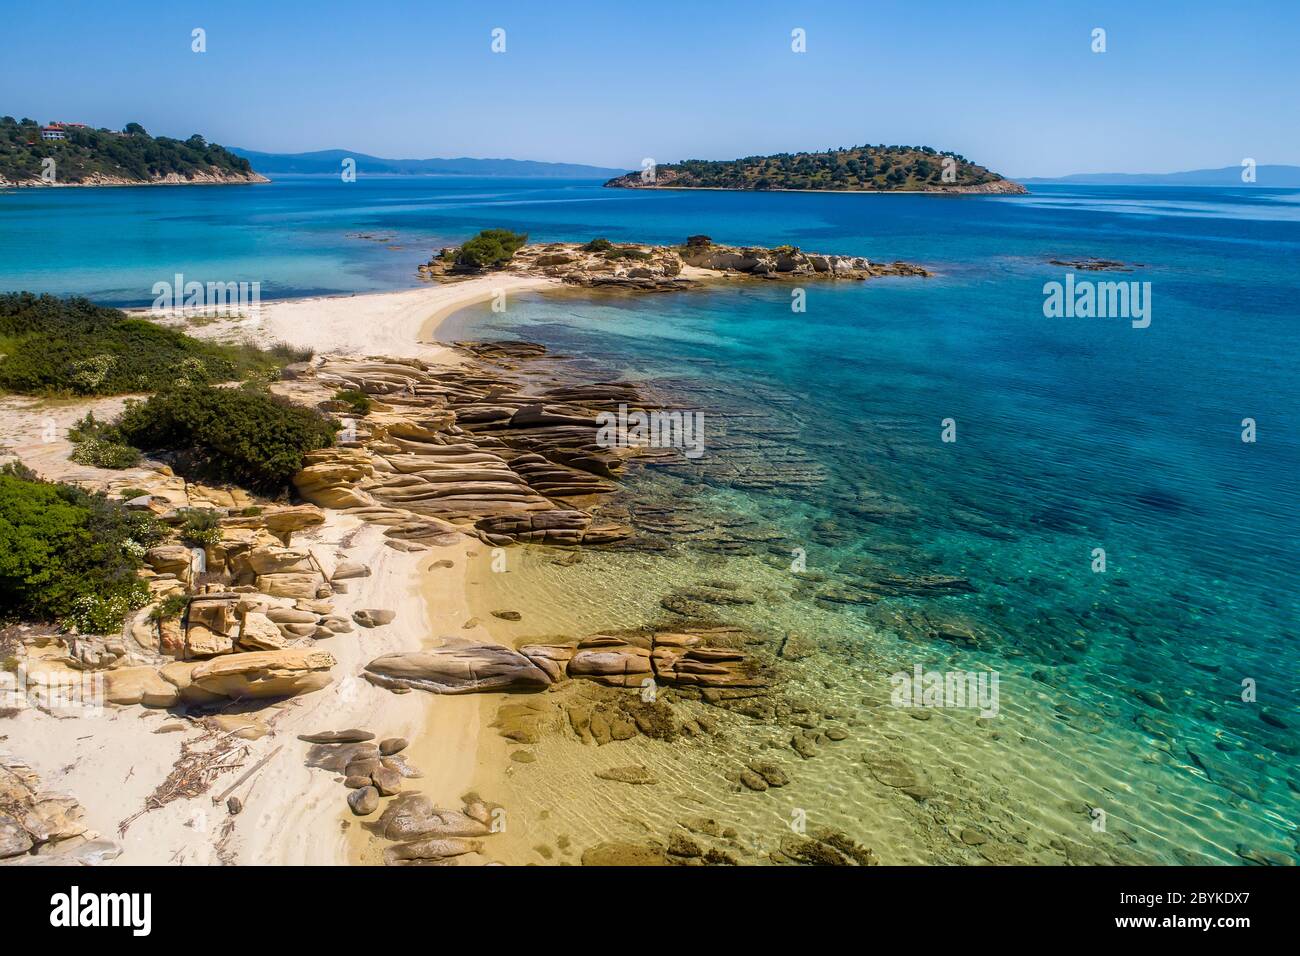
(202, 641)
(170, 559)
(257, 674)
(139, 685)
(171, 637)
(39, 827)
(413, 816)
(458, 667)
(373, 617)
(293, 518)
(329, 478)
(294, 584)
(217, 615)
(551, 658)
(610, 661)
(259, 633)
(280, 561)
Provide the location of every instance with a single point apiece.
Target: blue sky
(1183, 84)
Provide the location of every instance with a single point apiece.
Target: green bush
(200, 526)
(359, 403)
(106, 454)
(96, 445)
(241, 435)
(68, 556)
(491, 248)
(173, 605)
(627, 252)
(72, 346)
(692, 241)
(598, 245)
(104, 612)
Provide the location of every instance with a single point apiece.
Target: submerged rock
(615, 853)
(430, 850)
(635, 774)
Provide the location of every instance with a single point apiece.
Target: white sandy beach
(394, 324)
(292, 814)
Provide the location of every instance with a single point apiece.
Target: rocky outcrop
(667, 657)
(281, 673)
(41, 827)
(253, 675)
(463, 666)
(458, 667)
(474, 451)
(648, 268)
(214, 176)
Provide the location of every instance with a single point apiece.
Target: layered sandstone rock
(468, 451)
(458, 667)
(463, 666)
(257, 674)
(42, 827)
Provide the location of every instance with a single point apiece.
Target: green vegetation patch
(242, 435)
(358, 402)
(53, 346)
(95, 445)
(626, 252)
(131, 154)
(67, 556)
(847, 168)
(490, 249)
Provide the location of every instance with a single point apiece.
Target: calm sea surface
(1123, 689)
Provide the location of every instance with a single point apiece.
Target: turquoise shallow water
(1072, 434)
(823, 432)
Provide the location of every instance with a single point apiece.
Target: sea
(1092, 517)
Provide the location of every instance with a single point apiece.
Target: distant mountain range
(1282, 176)
(329, 161)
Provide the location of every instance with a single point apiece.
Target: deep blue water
(1072, 433)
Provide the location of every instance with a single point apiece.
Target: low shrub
(627, 252)
(96, 445)
(241, 435)
(199, 526)
(598, 245)
(359, 403)
(71, 346)
(173, 605)
(68, 556)
(105, 454)
(491, 248)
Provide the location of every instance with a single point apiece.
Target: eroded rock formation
(41, 827)
(647, 268)
(477, 451)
